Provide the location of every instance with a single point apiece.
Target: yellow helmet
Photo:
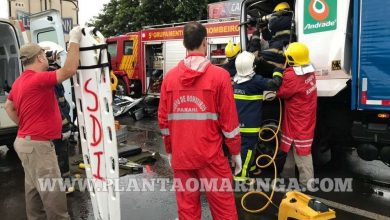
(232, 49)
(297, 54)
(281, 6)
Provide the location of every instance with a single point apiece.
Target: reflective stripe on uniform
(297, 141)
(248, 97)
(280, 33)
(240, 178)
(253, 168)
(302, 145)
(278, 74)
(192, 116)
(231, 134)
(165, 131)
(286, 142)
(303, 141)
(250, 130)
(246, 164)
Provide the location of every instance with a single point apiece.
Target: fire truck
(140, 59)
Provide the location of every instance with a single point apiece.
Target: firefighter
(53, 51)
(299, 93)
(196, 115)
(248, 94)
(231, 51)
(278, 34)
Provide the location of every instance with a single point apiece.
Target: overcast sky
(89, 8)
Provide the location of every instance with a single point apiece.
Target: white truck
(349, 47)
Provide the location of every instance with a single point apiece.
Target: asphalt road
(366, 201)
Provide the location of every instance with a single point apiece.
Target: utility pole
(9, 8)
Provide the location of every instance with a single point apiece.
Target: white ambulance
(44, 26)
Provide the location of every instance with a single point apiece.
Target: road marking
(351, 209)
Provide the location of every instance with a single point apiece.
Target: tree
(123, 16)
(117, 18)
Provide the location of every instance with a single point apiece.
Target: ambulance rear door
(10, 68)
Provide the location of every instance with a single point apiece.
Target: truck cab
(11, 39)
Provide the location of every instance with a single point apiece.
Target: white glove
(66, 135)
(169, 159)
(237, 163)
(75, 35)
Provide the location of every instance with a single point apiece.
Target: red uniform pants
(218, 191)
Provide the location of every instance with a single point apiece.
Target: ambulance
(44, 26)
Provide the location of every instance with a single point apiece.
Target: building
(22, 9)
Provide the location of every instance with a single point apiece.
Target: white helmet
(52, 51)
(244, 63)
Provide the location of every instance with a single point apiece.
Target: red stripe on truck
(385, 102)
(364, 97)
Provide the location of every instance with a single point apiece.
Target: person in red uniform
(196, 114)
(299, 93)
(33, 106)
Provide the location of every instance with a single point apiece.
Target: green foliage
(123, 16)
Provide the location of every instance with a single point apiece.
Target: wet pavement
(365, 202)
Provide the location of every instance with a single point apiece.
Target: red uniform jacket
(197, 113)
(299, 93)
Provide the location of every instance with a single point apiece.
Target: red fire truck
(141, 59)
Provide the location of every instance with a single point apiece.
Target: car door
(10, 68)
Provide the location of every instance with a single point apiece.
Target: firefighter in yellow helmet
(299, 92)
(282, 6)
(231, 52)
(278, 32)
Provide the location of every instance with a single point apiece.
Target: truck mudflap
(96, 125)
